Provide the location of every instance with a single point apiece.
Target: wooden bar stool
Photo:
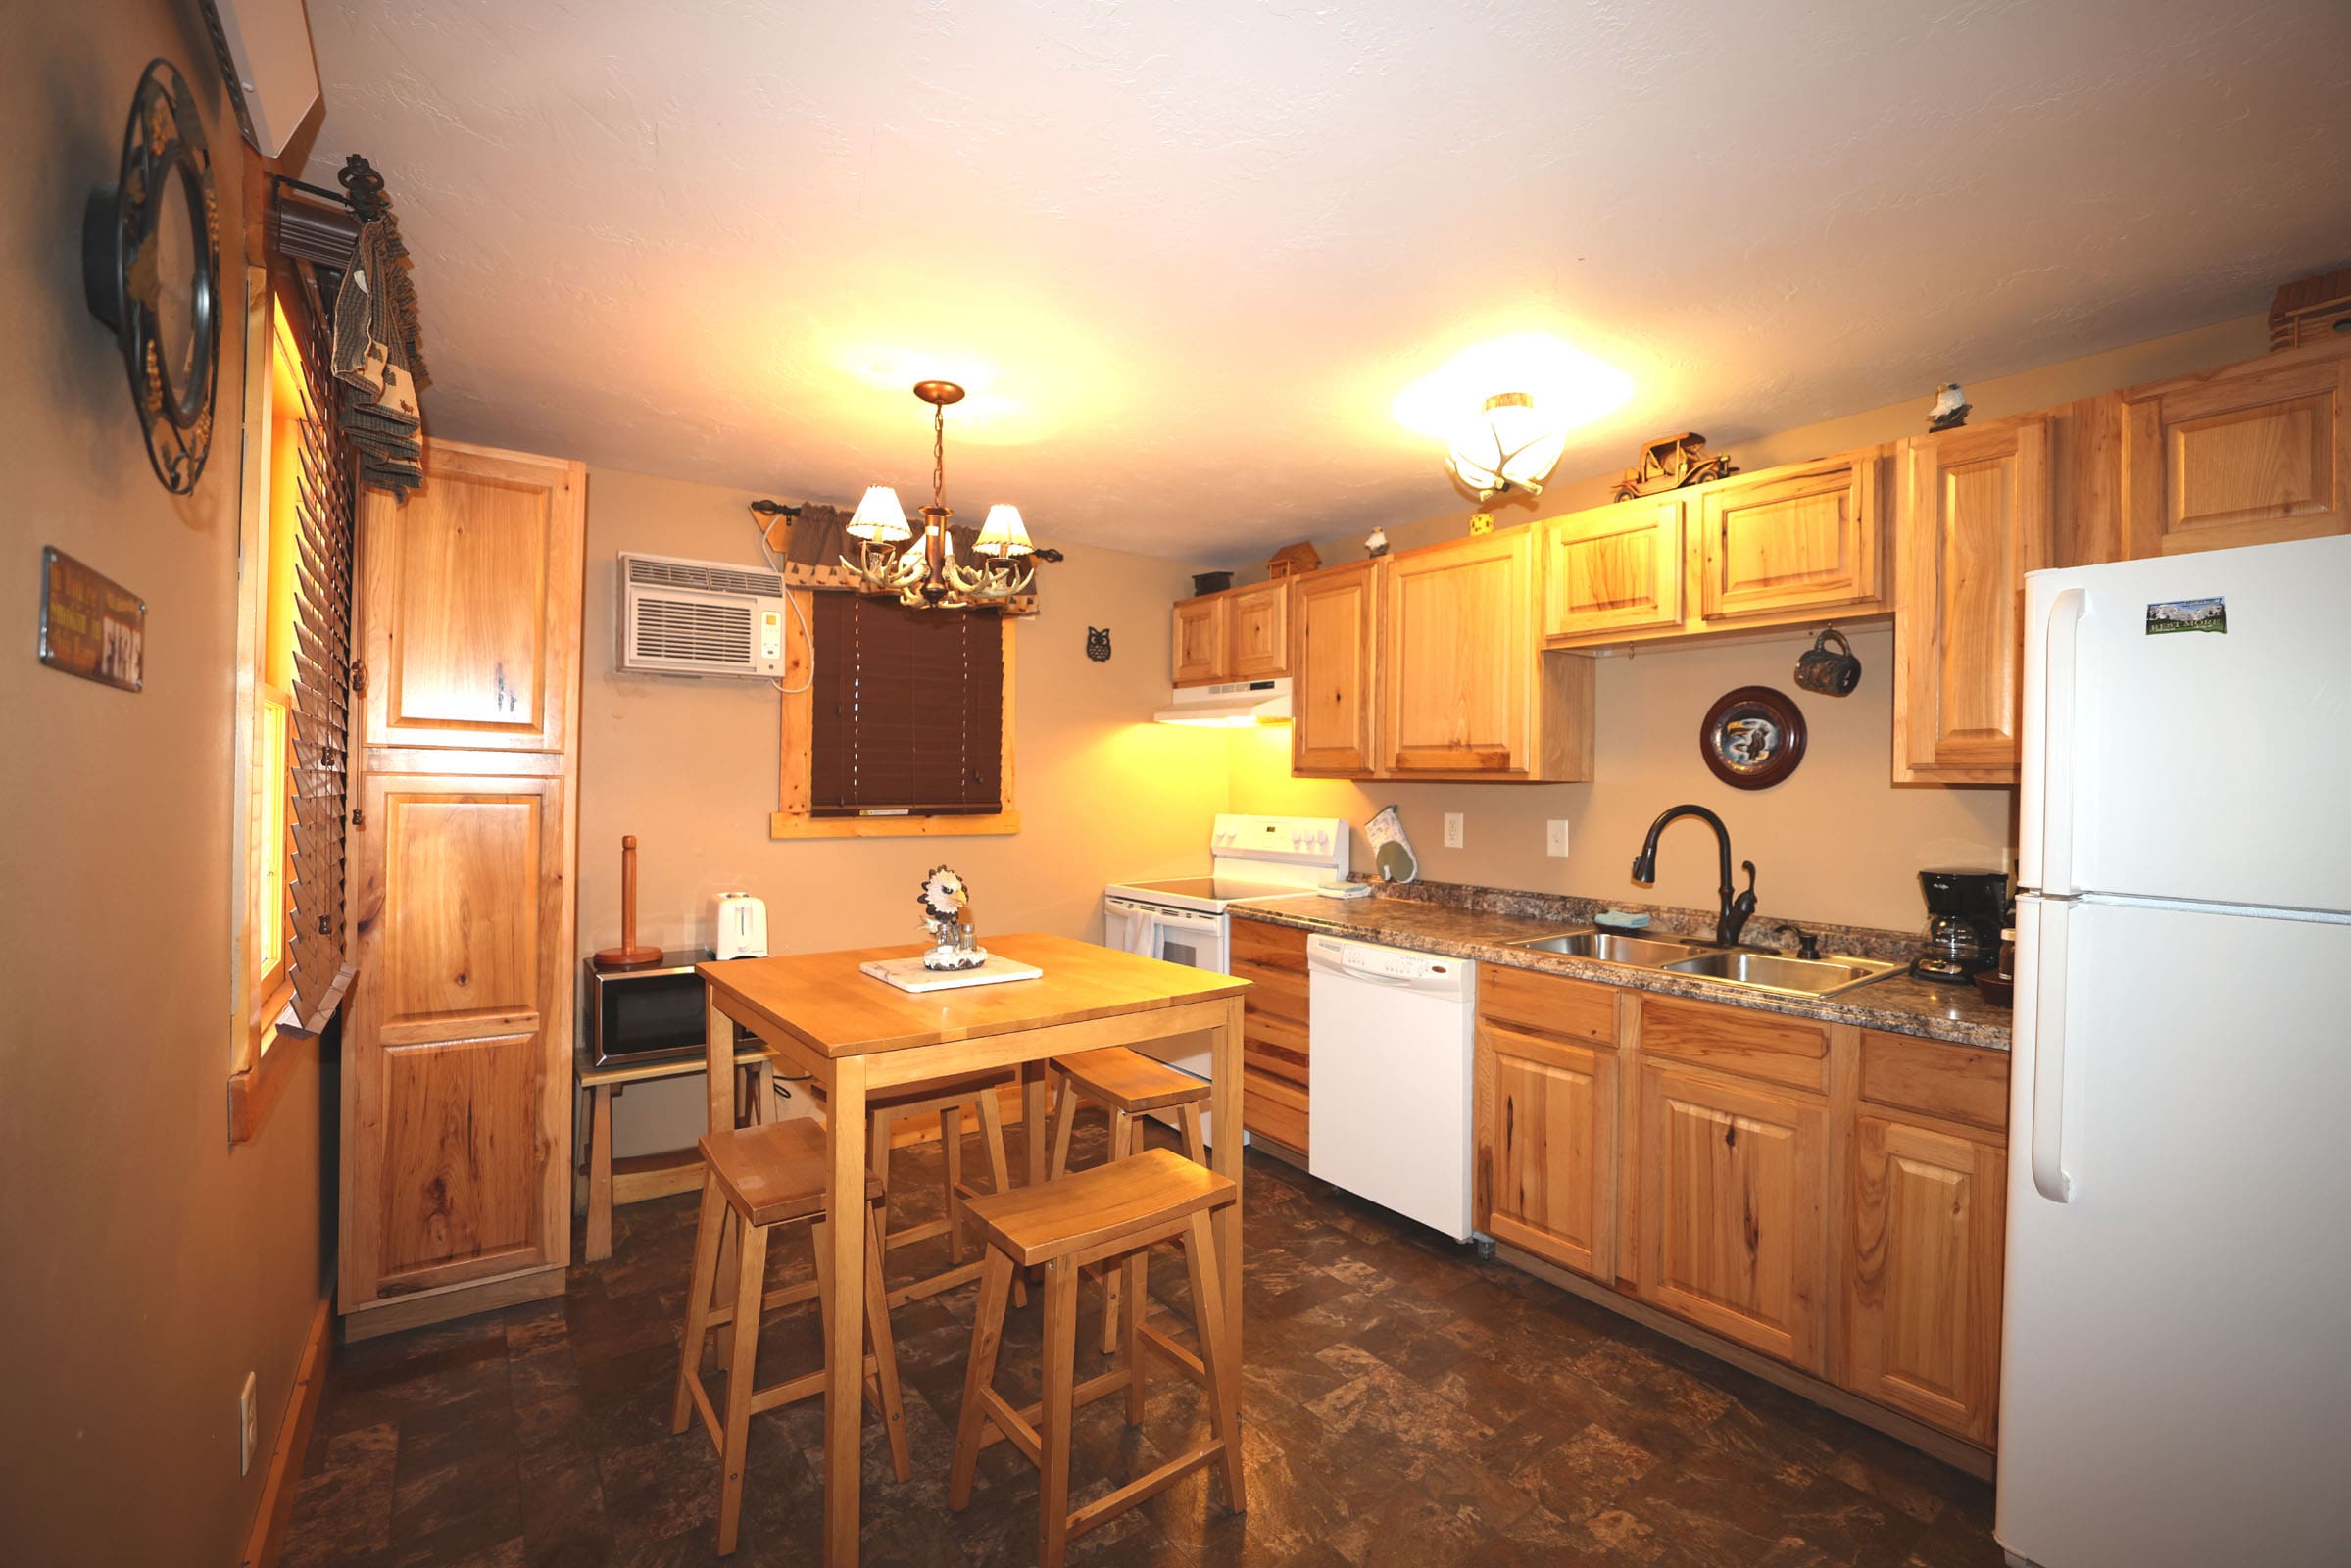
(1112, 1213)
(1130, 1086)
(948, 1098)
(755, 1179)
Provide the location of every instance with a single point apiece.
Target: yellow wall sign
(91, 626)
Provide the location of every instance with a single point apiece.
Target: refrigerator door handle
(2050, 798)
(2042, 932)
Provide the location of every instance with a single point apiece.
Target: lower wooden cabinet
(1546, 1147)
(457, 1074)
(1732, 1207)
(1274, 1055)
(1922, 1273)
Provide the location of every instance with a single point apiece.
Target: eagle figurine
(1951, 409)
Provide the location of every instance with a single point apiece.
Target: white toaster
(742, 931)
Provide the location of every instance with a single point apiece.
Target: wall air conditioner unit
(1236, 704)
(698, 617)
(265, 52)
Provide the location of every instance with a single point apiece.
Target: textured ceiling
(1186, 254)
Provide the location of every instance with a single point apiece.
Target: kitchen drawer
(1275, 990)
(1269, 946)
(1935, 1079)
(1274, 1107)
(1548, 1003)
(1791, 1051)
(1274, 1043)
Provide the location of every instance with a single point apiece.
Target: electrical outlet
(1452, 830)
(249, 1423)
(1555, 839)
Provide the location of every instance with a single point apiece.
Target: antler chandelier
(924, 572)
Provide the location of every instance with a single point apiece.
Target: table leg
(1224, 1109)
(845, 1334)
(719, 1062)
(600, 1173)
(1032, 1118)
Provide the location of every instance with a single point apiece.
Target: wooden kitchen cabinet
(1199, 641)
(1732, 1210)
(1926, 1231)
(1544, 1177)
(1275, 1078)
(472, 588)
(1613, 570)
(1972, 516)
(2247, 453)
(1257, 631)
(458, 1028)
(1783, 542)
(1464, 689)
(1335, 615)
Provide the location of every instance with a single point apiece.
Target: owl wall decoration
(1097, 644)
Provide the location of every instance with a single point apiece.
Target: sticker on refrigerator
(2188, 614)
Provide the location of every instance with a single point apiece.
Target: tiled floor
(1406, 1404)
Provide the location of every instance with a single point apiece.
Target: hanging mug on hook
(1831, 673)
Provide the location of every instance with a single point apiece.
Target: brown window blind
(319, 967)
(907, 710)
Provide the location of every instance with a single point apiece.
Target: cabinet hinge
(359, 817)
(359, 676)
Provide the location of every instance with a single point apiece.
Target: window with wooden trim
(293, 637)
(896, 720)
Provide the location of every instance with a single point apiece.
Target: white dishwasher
(1389, 1042)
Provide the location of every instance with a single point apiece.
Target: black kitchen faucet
(1735, 909)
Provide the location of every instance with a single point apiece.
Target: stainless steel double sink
(1740, 966)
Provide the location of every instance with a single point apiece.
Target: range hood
(1234, 705)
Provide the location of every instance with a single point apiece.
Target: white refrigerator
(2176, 1378)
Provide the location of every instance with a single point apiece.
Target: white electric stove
(1184, 919)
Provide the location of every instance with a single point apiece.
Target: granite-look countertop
(1898, 1003)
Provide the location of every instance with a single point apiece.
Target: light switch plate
(1452, 830)
(1555, 839)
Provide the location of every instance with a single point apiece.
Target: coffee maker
(1965, 911)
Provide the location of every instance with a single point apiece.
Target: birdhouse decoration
(1293, 561)
(946, 902)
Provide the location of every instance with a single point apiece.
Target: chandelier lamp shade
(1512, 445)
(920, 569)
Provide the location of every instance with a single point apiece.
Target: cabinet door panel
(2247, 455)
(1257, 631)
(1730, 1212)
(1924, 1276)
(1332, 671)
(469, 603)
(1199, 641)
(1546, 1148)
(1974, 519)
(1790, 540)
(1457, 657)
(457, 1034)
(1618, 568)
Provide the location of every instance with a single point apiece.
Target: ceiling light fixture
(1513, 445)
(1504, 408)
(924, 572)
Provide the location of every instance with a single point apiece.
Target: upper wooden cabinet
(2248, 454)
(1256, 623)
(1199, 641)
(1464, 690)
(1335, 615)
(1238, 634)
(471, 588)
(1972, 516)
(1795, 539)
(1613, 570)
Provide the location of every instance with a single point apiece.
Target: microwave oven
(652, 1014)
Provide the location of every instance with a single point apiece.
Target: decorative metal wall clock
(151, 270)
(1753, 738)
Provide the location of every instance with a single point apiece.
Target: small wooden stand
(628, 956)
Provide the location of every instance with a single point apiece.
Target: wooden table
(818, 1015)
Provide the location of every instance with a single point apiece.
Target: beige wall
(690, 769)
(148, 1265)
(1837, 841)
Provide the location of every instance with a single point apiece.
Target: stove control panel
(1321, 842)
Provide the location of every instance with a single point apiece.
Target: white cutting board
(909, 974)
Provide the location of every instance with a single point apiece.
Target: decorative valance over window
(819, 537)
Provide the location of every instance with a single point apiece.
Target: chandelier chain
(939, 456)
